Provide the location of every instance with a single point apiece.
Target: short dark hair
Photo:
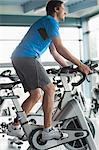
(50, 7)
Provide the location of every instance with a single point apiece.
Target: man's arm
(57, 56)
(67, 55)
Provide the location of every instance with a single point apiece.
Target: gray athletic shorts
(31, 73)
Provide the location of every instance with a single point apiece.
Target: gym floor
(4, 142)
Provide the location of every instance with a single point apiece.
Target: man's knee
(49, 89)
(35, 94)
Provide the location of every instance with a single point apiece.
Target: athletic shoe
(16, 132)
(50, 134)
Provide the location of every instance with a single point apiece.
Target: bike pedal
(15, 141)
(64, 135)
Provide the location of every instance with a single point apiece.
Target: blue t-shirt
(38, 38)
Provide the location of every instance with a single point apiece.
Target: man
(42, 34)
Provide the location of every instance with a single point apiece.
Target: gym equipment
(15, 141)
(68, 117)
(94, 101)
(6, 111)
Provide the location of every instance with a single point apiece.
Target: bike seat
(9, 85)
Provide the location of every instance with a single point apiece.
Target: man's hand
(84, 68)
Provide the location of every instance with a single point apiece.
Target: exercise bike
(68, 117)
(6, 111)
(94, 109)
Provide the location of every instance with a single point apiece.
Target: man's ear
(56, 9)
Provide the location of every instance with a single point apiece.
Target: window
(94, 37)
(9, 39)
(70, 37)
(94, 43)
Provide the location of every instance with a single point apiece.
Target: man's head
(56, 9)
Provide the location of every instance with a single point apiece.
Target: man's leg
(49, 132)
(28, 104)
(14, 128)
(48, 99)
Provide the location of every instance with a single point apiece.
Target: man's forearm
(57, 56)
(67, 55)
(60, 60)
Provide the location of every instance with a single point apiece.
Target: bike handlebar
(92, 67)
(71, 70)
